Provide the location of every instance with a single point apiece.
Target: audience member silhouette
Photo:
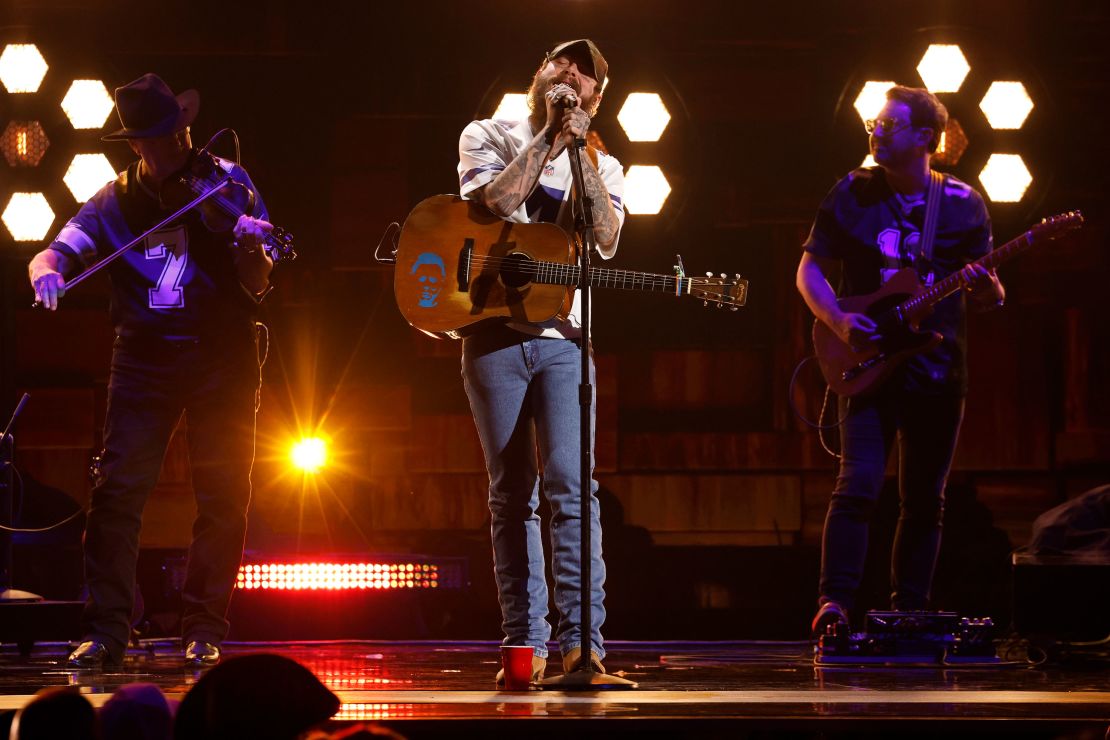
(54, 713)
(137, 711)
(260, 696)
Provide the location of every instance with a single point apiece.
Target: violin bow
(93, 269)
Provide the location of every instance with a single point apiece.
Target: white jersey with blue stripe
(486, 147)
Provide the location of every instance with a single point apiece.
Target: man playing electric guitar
(868, 227)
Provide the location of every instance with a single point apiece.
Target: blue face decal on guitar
(430, 272)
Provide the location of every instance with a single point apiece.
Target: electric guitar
(459, 266)
(897, 310)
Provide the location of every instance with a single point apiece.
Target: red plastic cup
(517, 662)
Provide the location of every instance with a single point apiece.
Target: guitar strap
(929, 231)
(591, 152)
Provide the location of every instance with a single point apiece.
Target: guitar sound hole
(517, 270)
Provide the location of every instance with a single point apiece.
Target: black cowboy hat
(148, 108)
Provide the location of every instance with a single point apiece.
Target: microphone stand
(584, 677)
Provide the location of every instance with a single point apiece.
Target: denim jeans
(523, 393)
(152, 382)
(926, 427)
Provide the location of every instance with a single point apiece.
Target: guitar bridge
(462, 275)
(854, 372)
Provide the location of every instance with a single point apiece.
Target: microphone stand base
(581, 679)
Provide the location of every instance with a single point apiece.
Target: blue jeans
(153, 382)
(523, 393)
(926, 427)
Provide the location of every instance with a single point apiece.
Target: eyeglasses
(884, 126)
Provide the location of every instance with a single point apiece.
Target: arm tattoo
(606, 223)
(507, 191)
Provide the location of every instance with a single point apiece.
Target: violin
(205, 185)
(226, 200)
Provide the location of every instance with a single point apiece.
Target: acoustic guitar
(459, 266)
(898, 309)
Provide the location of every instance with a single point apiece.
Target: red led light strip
(337, 576)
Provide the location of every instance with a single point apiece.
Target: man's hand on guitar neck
(983, 286)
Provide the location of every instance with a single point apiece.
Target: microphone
(567, 100)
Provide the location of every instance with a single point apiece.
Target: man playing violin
(522, 379)
(183, 302)
(868, 227)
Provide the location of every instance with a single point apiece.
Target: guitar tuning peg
(709, 274)
(737, 276)
(733, 308)
(719, 305)
(723, 275)
(705, 303)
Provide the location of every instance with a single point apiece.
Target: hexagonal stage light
(871, 98)
(513, 107)
(953, 144)
(28, 217)
(643, 116)
(645, 189)
(1006, 105)
(24, 143)
(22, 68)
(1005, 178)
(87, 104)
(943, 68)
(88, 173)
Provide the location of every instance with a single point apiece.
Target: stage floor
(685, 689)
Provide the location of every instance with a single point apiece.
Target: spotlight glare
(28, 216)
(87, 104)
(643, 116)
(513, 107)
(871, 98)
(87, 173)
(22, 68)
(309, 454)
(1005, 178)
(645, 189)
(943, 68)
(1006, 105)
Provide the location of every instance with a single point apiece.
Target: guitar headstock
(720, 291)
(1056, 226)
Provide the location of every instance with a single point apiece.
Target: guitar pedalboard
(910, 637)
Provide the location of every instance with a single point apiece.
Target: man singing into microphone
(522, 379)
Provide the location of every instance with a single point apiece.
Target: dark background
(714, 492)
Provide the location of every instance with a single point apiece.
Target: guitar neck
(554, 273)
(951, 284)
